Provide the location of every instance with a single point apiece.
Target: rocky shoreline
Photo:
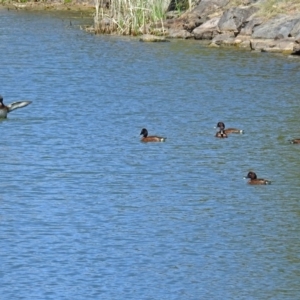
(238, 26)
(215, 21)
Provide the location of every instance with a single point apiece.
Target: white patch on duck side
(3, 113)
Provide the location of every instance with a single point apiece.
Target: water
(89, 212)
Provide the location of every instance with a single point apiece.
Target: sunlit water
(87, 211)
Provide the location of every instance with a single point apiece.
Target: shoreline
(219, 24)
(49, 6)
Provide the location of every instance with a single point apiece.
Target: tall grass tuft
(129, 17)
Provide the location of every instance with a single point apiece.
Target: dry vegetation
(270, 8)
(134, 17)
(129, 17)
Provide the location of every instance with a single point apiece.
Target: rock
(296, 49)
(152, 38)
(296, 29)
(187, 22)
(242, 41)
(207, 30)
(245, 45)
(207, 7)
(18, 5)
(179, 34)
(228, 39)
(247, 27)
(224, 39)
(281, 24)
(260, 44)
(249, 2)
(270, 45)
(279, 37)
(192, 21)
(213, 45)
(233, 18)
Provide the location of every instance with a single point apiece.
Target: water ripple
(87, 211)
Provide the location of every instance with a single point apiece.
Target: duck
(5, 109)
(295, 141)
(221, 134)
(255, 180)
(152, 138)
(229, 130)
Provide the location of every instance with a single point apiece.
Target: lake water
(87, 211)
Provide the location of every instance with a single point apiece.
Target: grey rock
(245, 45)
(213, 45)
(207, 30)
(207, 7)
(296, 49)
(179, 34)
(279, 37)
(192, 21)
(224, 39)
(228, 39)
(249, 2)
(296, 29)
(186, 21)
(280, 24)
(152, 38)
(233, 18)
(249, 25)
(270, 45)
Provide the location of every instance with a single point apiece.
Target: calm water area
(87, 211)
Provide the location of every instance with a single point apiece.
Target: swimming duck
(255, 180)
(221, 134)
(229, 130)
(295, 141)
(152, 138)
(5, 109)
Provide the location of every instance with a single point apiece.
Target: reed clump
(129, 17)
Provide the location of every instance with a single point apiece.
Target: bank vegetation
(128, 17)
(135, 17)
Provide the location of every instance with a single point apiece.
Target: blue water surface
(87, 211)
